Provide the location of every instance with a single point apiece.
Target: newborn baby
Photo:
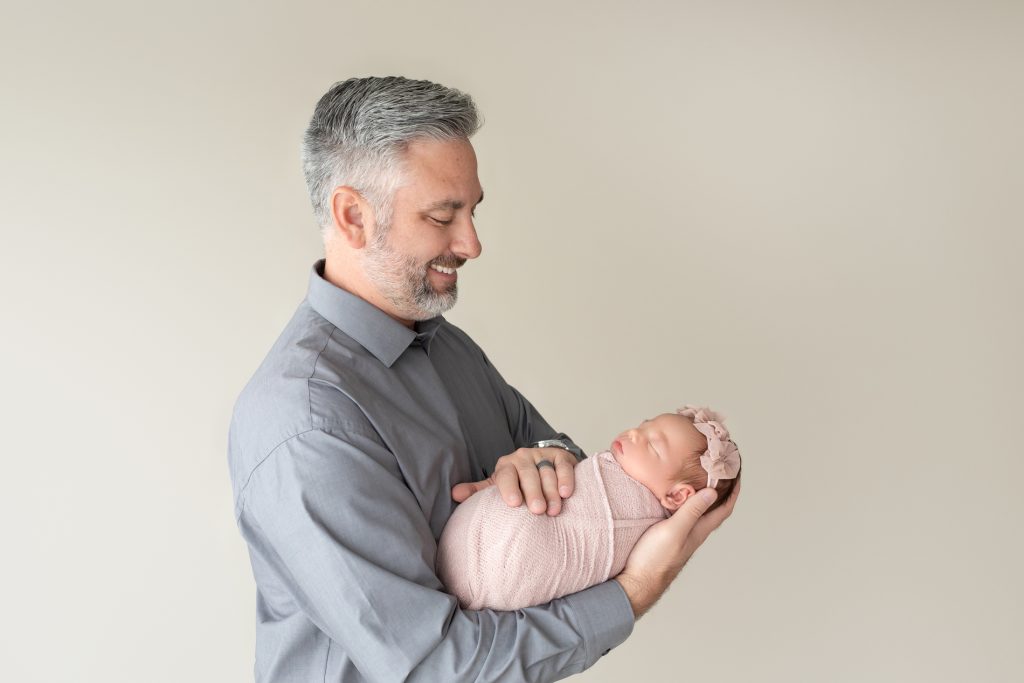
(492, 556)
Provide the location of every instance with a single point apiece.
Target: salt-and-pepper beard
(403, 281)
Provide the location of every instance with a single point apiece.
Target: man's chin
(436, 305)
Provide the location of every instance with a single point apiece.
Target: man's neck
(350, 277)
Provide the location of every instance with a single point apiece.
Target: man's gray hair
(361, 128)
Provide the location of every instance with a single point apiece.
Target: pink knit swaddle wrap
(492, 556)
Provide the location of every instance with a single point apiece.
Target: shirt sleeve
(328, 510)
(525, 423)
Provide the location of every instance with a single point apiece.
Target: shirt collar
(372, 328)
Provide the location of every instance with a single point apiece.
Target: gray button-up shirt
(343, 451)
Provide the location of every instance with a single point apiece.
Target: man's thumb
(696, 505)
(708, 497)
(460, 492)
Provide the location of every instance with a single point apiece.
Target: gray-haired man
(371, 413)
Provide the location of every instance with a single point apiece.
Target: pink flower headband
(722, 458)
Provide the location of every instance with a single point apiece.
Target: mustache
(450, 261)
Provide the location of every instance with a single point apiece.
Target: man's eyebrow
(452, 204)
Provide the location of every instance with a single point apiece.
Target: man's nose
(467, 244)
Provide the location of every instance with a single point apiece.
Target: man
(371, 412)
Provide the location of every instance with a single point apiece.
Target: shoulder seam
(324, 427)
(241, 491)
(312, 372)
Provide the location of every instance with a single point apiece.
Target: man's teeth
(442, 269)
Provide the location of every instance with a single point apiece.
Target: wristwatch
(564, 445)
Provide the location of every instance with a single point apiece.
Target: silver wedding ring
(545, 463)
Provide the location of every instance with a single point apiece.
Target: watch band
(558, 443)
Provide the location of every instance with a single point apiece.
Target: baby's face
(654, 452)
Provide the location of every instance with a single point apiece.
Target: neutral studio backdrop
(807, 215)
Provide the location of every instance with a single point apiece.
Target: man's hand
(518, 478)
(664, 548)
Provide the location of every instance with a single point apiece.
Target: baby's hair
(694, 474)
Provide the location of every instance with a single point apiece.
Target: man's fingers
(714, 519)
(566, 472)
(549, 484)
(506, 479)
(460, 492)
(520, 477)
(530, 483)
(685, 518)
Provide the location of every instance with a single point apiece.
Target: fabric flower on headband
(722, 458)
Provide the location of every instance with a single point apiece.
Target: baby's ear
(676, 496)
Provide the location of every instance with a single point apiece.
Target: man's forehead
(451, 203)
(438, 175)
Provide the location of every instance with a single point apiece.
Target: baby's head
(677, 454)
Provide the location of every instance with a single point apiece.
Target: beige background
(805, 214)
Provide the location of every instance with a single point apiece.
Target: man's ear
(676, 496)
(349, 212)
